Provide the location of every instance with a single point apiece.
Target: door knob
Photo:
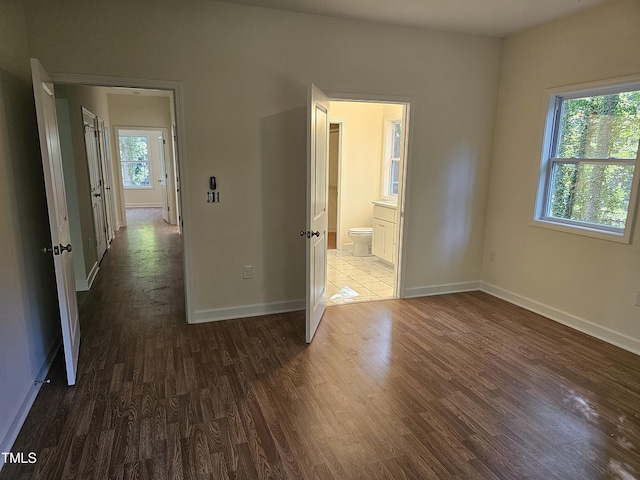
(67, 248)
(97, 194)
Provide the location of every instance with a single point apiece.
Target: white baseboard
(8, 437)
(243, 311)
(441, 289)
(143, 205)
(84, 284)
(92, 274)
(585, 326)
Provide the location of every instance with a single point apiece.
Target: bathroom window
(393, 149)
(589, 180)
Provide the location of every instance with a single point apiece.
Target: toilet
(361, 237)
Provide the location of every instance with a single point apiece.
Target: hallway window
(134, 158)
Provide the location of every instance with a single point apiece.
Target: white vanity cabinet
(383, 244)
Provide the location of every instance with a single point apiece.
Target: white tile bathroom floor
(357, 279)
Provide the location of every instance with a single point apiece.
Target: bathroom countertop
(386, 203)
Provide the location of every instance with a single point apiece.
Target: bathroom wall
(362, 141)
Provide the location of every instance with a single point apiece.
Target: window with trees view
(589, 179)
(134, 161)
(391, 180)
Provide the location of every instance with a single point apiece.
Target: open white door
(164, 175)
(95, 182)
(317, 216)
(105, 165)
(176, 176)
(58, 217)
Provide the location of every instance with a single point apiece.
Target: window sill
(623, 237)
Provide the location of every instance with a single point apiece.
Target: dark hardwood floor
(455, 386)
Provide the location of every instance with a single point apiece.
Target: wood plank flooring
(455, 386)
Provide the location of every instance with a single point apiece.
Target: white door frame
(177, 90)
(176, 175)
(165, 181)
(341, 124)
(399, 267)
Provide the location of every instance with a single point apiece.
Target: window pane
(134, 148)
(134, 155)
(136, 174)
(603, 126)
(591, 192)
(394, 178)
(397, 135)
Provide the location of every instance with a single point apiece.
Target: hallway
(132, 326)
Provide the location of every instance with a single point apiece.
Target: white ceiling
(495, 18)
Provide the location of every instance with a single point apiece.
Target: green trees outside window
(134, 161)
(593, 158)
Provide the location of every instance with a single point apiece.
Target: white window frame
(131, 133)
(543, 197)
(389, 159)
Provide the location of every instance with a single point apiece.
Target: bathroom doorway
(367, 145)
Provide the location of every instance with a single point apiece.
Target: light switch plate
(247, 272)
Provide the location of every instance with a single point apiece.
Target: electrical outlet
(247, 272)
(492, 256)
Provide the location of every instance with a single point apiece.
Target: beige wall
(362, 125)
(76, 172)
(245, 73)
(29, 321)
(589, 283)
